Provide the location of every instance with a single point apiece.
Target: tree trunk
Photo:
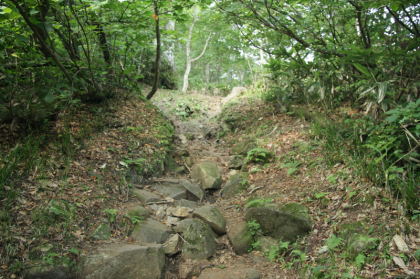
(156, 79)
(208, 73)
(189, 60)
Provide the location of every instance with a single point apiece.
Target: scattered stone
(139, 211)
(243, 147)
(145, 196)
(231, 273)
(208, 174)
(58, 209)
(183, 138)
(180, 170)
(195, 190)
(199, 240)
(285, 222)
(241, 238)
(125, 261)
(178, 212)
(171, 247)
(172, 220)
(161, 213)
(174, 191)
(233, 172)
(188, 204)
(151, 231)
(189, 161)
(154, 207)
(237, 183)
(323, 250)
(212, 216)
(103, 231)
(236, 163)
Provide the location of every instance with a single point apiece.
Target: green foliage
(360, 260)
(254, 228)
(333, 242)
(258, 202)
(112, 213)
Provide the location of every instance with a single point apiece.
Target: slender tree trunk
(208, 73)
(156, 80)
(189, 60)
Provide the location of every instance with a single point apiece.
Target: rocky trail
(194, 226)
(246, 194)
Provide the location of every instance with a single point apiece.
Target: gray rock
(145, 196)
(48, 272)
(172, 246)
(236, 163)
(206, 132)
(172, 220)
(212, 216)
(231, 273)
(285, 223)
(161, 212)
(199, 240)
(126, 261)
(180, 170)
(241, 238)
(139, 211)
(183, 138)
(187, 203)
(189, 161)
(208, 174)
(178, 212)
(174, 191)
(194, 190)
(237, 183)
(151, 231)
(360, 243)
(243, 147)
(266, 244)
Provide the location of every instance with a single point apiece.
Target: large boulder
(151, 231)
(212, 216)
(126, 261)
(199, 242)
(243, 147)
(284, 222)
(237, 183)
(241, 238)
(240, 272)
(208, 174)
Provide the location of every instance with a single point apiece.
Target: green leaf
(360, 260)
(6, 10)
(74, 251)
(362, 69)
(391, 118)
(49, 98)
